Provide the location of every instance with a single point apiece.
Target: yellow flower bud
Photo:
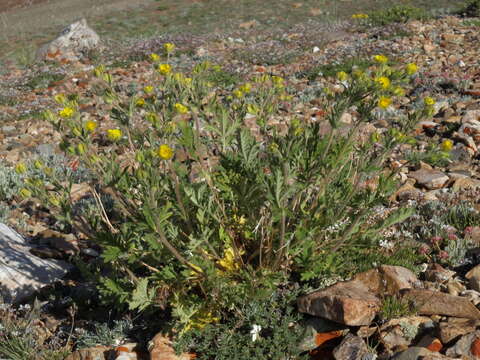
(66, 112)
(76, 131)
(237, 93)
(140, 102)
(181, 109)
(38, 164)
(428, 101)
(81, 148)
(411, 68)
(168, 47)
(342, 76)
(384, 102)
(60, 99)
(154, 57)
(447, 145)
(383, 81)
(25, 193)
(381, 59)
(164, 69)
(90, 126)
(148, 89)
(21, 168)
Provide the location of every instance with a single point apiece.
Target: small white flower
(255, 332)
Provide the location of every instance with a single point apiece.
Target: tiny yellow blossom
(154, 57)
(148, 89)
(54, 200)
(447, 145)
(360, 16)
(164, 69)
(90, 126)
(151, 118)
(429, 101)
(38, 164)
(114, 134)
(60, 99)
(228, 260)
(66, 112)
(81, 148)
(237, 93)
(411, 68)
(384, 102)
(98, 71)
(21, 168)
(140, 102)
(181, 109)
(381, 59)
(252, 109)
(168, 47)
(246, 88)
(165, 152)
(25, 193)
(342, 75)
(383, 81)
(277, 80)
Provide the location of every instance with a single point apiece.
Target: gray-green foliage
(105, 334)
(10, 182)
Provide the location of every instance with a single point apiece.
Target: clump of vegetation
(208, 215)
(471, 9)
(393, 308)
(106, 335)
(396, 14)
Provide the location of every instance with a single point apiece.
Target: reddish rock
(161, 349)
(349, 303)
(475, 348)
(428, 302)
(321, 338)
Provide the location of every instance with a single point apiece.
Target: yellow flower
(164, 69)
(246, 88)
(165, 152)
(277, 80)
(21, 168)
(411, 68)
(168, 47)
(90, 125)
(154, 57)
(383, 81)
(60, 99)
(54, 200)
(252, 109)
(360, 16)
(429, 101)
(181, 109)
(148, 89)
(342, 75)
(237, 93)
(447, 145)
(38, 164)
(228, 260)
(25, 193)
(114, 134)
(384, 102)
(381, 59)
(98, 71)
(140, 102)
(66, 112)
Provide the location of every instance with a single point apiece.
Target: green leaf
(111, 253)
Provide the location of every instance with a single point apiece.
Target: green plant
(259, 329)
(44, 80)
(396, 14)
(394, 307)
(206, 212)
(331, 70)
(106, 335)
(471, 8)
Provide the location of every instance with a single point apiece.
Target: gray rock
(464, 346)
(419, 353)
(352, 348)
(22, 273)
(72, 41)
(456, 327)
(430, 179)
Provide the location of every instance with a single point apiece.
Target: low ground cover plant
(210, 197)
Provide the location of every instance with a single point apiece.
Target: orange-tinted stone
(435, 345)
(475, 348)
(321, 338)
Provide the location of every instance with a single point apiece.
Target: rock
(352, 348)
(22, 273)
(388, 280)
(472, 295)
(466, 346)
(431, 343)
(406, 192)
(160, 348)
(430, 179)
(438, 273)
(455, 287)
(455, 327)
(349, 303)
(466, 183)
(66, 243)
(317, 331)
(72, 41)
(418, 353)
(94, 353)
(428, 302)
(473, 277)
(399, 333)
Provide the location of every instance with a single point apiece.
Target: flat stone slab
(22, 273)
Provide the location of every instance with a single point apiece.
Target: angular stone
(399, 333)
(466, 183)
(352, 347)
(22, 273)
(455, 327)
(438, 273)
(430, 179)
(428, 302)
(94, 353)
(419, 353)
(349, 303)
(473, 277)
(464, 346)
(160, 348)
(388, 280)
